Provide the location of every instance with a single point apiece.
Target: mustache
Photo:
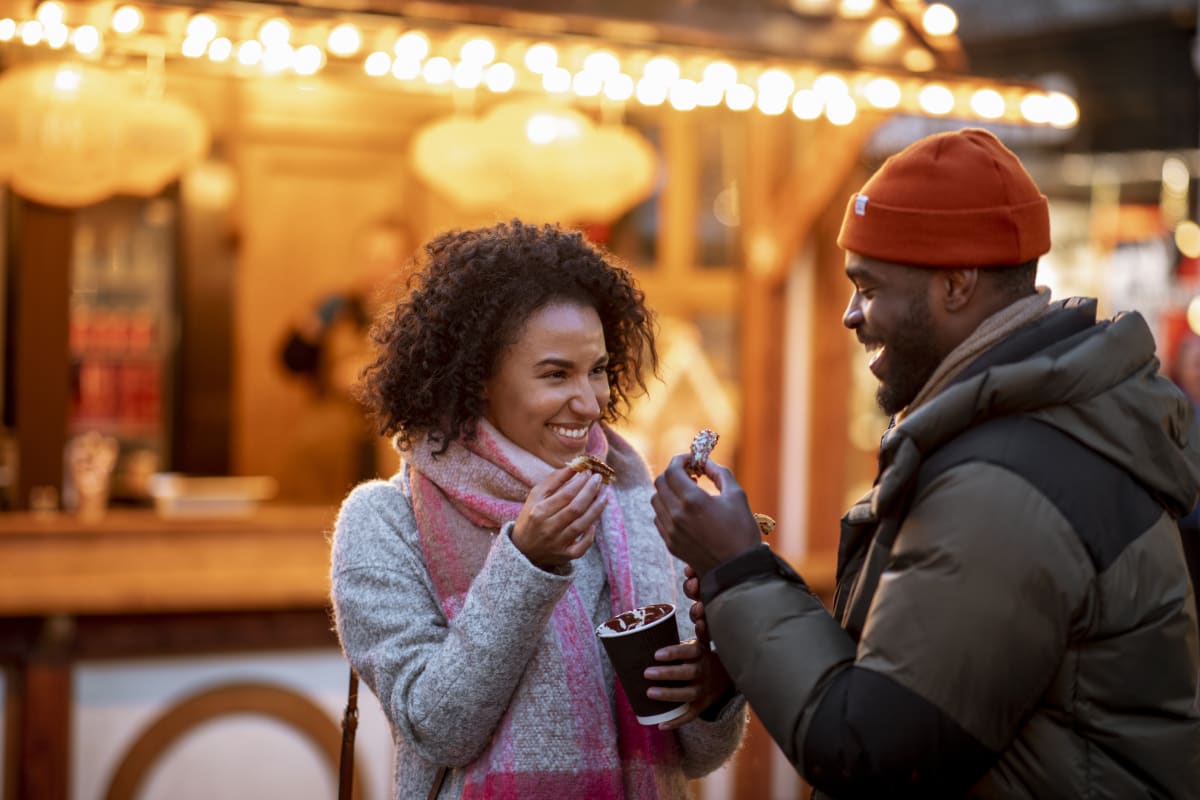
(867, 341)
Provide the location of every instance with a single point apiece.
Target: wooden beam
(39, 370)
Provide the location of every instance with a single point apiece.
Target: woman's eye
(600, 370)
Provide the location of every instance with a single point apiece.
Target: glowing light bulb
(841, 110)
(437, 70)
(51, 13)
(500, 77)
(344, 40)
(857, 8)
(377, 64)
(478, 51)
(650, 92)
(274, 33)
(556, 80)
(936, 99)
(884, 32)
(662, 69)
(541, 58)
(601, 64)
(193, 47)
(308, 60)
(412, 45)
(939, 20)
(220, 49)
(8, 29)
(882, 93)
(467, 75)
(988, 103)
(31, 33)
(67, 80)
(807, 104)
(683, 94)
(202, 27)
(739, 97)
(85, 40)
(586, 84)
(618, 87)
(249, 53)
(720, 74)
(126, 19)
(1063, 112)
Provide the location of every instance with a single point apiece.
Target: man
(1015, 614)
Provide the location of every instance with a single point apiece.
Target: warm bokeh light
(830, 85)
(541, 57)
(1035, 108)
(57, 36)
(51, 13)
(721, 74)
(602, 63)
(936, 99)
(1193, 315)
(739, 97)
(220, 49)
(586, 84)
(412, 45)
(437, 70)
(882, 93)
(884, 32)
(275, 32)
(618, 87)
(344, 40)
(126, 19)
(662, 69)
(308, 59)
(377, 64)
(278, 57)
(8, 29)
(500, 77)
(556, 80)
(405, 69)
(31, 33)
(807, 104)
(709, 95)
(988, 103)
(193, 47)
(939, 20)
(918, 59)
(67, 80)
(841, 110)
(479, 51)
(249, 53)
(650, 92)
(1175, 175)
(1062, 111)
(856, 8)
(202, 27)
(684, 94)
(1187, 239)
(86, 40)
(467, 75)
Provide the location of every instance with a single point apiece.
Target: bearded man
(1013, 616)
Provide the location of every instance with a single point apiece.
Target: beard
(912, 356)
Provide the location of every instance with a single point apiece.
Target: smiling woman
(515, 348)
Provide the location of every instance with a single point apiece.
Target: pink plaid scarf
(461, 499)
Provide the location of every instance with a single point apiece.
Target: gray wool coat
(444, 687)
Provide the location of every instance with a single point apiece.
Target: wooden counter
(135, 584)
(137, 562)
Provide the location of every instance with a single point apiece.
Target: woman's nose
(585, 403)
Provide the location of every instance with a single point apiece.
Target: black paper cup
(631, 640)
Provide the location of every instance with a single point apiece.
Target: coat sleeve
(444, 686)
(967, 627)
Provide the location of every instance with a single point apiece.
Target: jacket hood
(1099, 383)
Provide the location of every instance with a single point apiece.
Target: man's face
(890, 314)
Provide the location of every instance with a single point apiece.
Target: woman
(467, 588)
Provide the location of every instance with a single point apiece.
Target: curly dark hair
(440, 343)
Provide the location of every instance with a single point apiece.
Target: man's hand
(703, 674)
(702, 529)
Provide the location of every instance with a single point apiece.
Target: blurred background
(203, 203)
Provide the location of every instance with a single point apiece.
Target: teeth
(571, 433)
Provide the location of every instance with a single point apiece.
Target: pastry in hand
(702, 445)
(765, 524)
(586, 463)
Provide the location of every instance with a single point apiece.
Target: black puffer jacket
(1015, 614)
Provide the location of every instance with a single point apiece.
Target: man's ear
(957, 287)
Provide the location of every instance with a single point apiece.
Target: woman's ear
(958, 287)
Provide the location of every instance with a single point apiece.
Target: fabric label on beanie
(860, 205)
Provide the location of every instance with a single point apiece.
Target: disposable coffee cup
(631, 639)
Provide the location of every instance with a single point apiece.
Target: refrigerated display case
(122, 319)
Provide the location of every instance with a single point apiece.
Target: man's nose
(853, 316)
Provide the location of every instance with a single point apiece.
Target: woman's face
(551, 386)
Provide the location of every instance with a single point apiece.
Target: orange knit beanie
(959, 199)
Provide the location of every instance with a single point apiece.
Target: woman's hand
(705, 678)
(557, 524)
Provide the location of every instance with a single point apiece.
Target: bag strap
(349, 726)
(438, 780)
